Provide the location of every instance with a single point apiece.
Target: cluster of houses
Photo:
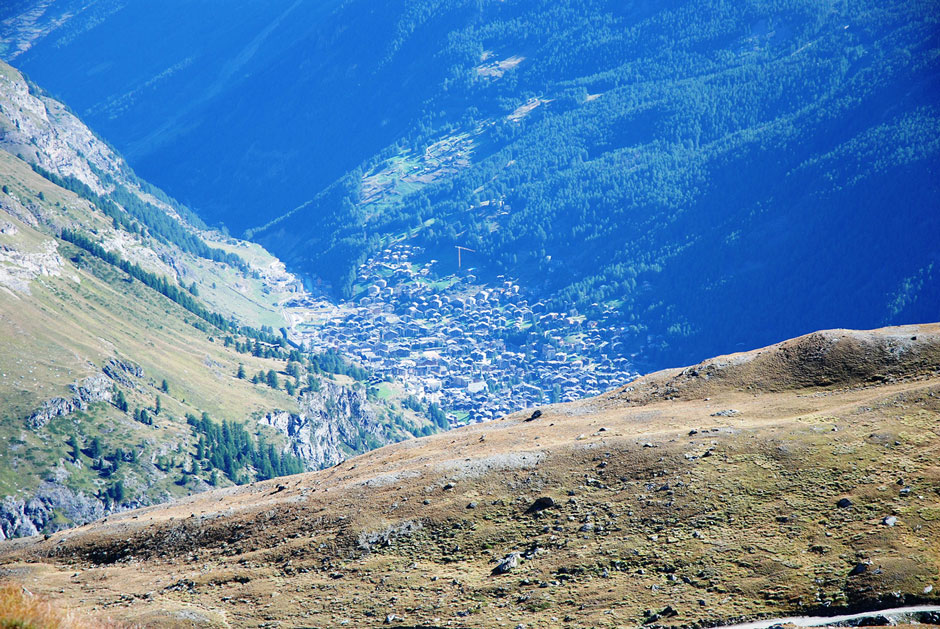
(478, 352)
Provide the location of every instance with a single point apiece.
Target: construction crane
(459, 249)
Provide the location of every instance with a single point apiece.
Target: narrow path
(818, 621)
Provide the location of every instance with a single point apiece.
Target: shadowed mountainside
(661, 165)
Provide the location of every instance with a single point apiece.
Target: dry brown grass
(21, 609)
(722, 517)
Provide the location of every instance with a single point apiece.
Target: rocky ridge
(831, 358)
(19, 268)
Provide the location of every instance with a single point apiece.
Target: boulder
(540, 504)
(506, 564)
(535, 415)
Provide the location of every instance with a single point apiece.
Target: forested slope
(138, 357)
(709, 173)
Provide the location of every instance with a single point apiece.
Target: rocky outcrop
(121, 371)
(332, 422)
(46, 133)
(19, 268)
(96, 388)
(52, 508)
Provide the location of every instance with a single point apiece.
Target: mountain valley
(115, 381)
(697, 172)
(333, 313)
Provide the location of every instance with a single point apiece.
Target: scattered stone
(391, 618)
(383, 538)
(535, 415)
(449, 486)
(860, 568)
(730, 412)
(667, 612)
(905, 492)
(844, 503)
(890, 521)
(693, 432)
(540, 504)
(472, 505)
(506, 564)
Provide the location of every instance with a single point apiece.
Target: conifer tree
(120, 401)
(117, 492)
(75, 451)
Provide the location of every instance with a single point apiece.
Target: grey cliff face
(45, 132)
(52, 508)
(330, 424)
(93, 389)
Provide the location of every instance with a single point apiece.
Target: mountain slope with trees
(140, 360)
(717, 173)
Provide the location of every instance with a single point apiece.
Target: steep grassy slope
(66, 317)
(671, 162)
(123, 330)
(713, 491)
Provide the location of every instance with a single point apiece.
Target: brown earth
(711, 490)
